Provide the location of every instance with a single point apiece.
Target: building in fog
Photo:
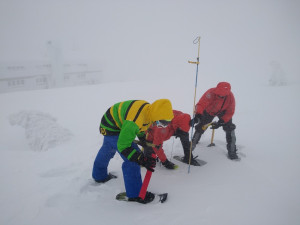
(32, 76)
(53, 73)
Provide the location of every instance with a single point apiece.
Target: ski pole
(146, 182)
(197, 40)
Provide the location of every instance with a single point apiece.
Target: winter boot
(148, 198)
(231, 147)
(169, 165)
(109, 177)
(194, 162)
(195, 139)
(232, 156)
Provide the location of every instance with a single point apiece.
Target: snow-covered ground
(49, 138)
(54, 186)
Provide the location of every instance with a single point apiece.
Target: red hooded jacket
(215, 105)
(157, 135)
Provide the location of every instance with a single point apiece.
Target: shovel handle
(146, 182)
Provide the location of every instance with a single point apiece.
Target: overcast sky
(137, 38)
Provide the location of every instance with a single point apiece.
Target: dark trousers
(228, 127)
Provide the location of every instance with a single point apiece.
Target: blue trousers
(131, 170)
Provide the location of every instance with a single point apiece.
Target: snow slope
(54, 186)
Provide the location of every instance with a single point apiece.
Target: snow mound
(41, 129)
(278, 77)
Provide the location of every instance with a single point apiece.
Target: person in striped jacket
(120, 125)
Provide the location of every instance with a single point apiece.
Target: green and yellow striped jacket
(127, 119)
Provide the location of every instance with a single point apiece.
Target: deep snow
(55, 186)
(48, 180)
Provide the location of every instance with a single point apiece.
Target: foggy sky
(133, 39)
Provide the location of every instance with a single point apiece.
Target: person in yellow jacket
(120, 125)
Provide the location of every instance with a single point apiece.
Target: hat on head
(222, 89)
(161, 109)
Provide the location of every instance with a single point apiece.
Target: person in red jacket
(179, 127)
(220, 102)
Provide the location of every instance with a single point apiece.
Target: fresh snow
(54, 186)
(49, 138)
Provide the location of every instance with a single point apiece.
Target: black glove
(142, 141)
(148, 162)
(216, 125)
(195, 120)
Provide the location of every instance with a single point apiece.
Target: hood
(222, 89)
(161, 109)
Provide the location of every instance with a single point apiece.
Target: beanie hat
(161, 109)
(223, 89)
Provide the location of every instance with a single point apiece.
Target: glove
(142, 141)
(195, 120)
(148, 162)
(216, 125)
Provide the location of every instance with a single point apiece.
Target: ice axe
(212, 139)
(143, 144)
(204, 127)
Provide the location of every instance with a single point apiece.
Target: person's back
(121, 123)
(179, 127)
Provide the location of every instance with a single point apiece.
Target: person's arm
(230, 109)
(204, 101)
(127, 135)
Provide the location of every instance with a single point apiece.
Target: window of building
(40, 81)
(16, 83)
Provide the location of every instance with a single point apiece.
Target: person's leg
(185, 142)
(132, 176)
(229, 129)
(204, 119)
(188, 156)
(105, 154)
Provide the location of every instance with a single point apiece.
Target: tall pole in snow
(196, 41)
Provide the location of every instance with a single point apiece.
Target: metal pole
(197, 40)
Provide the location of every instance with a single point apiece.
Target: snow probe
(197, 40)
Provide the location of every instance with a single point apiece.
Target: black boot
(194, 162)
(148, 198)
(232, 156)
(231, 147)
(169, 165)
